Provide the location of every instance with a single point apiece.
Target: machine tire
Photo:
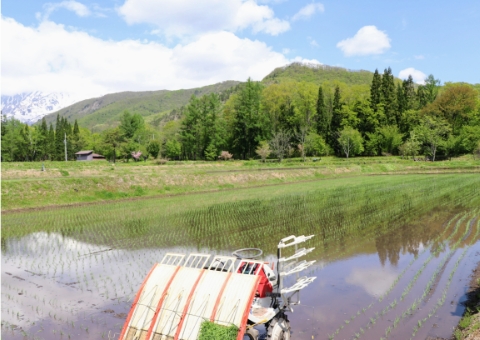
(279, 328)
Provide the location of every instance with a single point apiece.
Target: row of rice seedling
(372, 320)
(441, 300)
(412, 309)
(103, 252)
(245, 213)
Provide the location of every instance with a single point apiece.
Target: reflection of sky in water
(376, 281)
(71, 279)
(46, 276)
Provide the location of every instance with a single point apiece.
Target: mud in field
(409, 282)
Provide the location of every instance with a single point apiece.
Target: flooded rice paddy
(401, 279)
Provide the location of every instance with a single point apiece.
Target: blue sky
(90, 48)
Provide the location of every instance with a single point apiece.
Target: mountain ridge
(29, 107)
(103, 112)
(100, 113)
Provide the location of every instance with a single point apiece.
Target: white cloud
(375, 281)
(313, 42)
(307, 62)
(192, 17)
(307, 11)
(78, 8)
(51, 58)
(418, 76)
(368, 40)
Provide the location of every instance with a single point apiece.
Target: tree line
(21, 142)
(283, 119)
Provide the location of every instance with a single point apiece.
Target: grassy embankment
(24, 185)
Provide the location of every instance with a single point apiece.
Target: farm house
(88, 155)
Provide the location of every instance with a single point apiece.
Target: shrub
(225, 155)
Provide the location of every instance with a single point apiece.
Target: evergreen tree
(421, 97)
(431, 88)
(3, 125)
(70, 148)
(248, 129)
(76, 144)
(389, 98)
(409, 95)
(401, 100)
(336, 121)
(11, 140)
(43, 141)
(59, 138)
(191, 129)
(427, 93)
(376, 91)
(214, 132)
(323, 118)
(368, 120)
(24, 143)
(51, 143)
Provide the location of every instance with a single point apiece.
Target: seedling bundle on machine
(197, 296)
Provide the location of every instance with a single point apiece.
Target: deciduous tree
(280, 144)
(153, 148)
(457, 105)
(263, 150)
(433, 132)
(351, 141)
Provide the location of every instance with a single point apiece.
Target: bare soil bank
(469, 327)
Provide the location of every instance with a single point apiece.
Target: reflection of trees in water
(4, 245)
(408, 239)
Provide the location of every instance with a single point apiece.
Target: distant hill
(158, 107)
(98, 114)
(318, 74)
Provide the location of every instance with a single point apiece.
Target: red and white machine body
(181, 292)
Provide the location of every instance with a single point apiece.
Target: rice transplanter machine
(181, 292)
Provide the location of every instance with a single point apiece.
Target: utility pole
(65, 142)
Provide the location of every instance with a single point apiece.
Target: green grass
(64, 172)
(25, 185)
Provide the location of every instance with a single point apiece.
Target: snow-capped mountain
(30, 107)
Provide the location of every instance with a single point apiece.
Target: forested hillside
(318, 74)
(296, 111)
(100, 113)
